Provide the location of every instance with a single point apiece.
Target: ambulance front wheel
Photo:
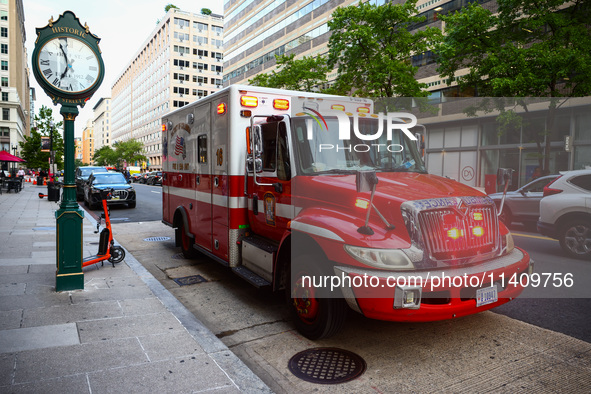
(316, 314)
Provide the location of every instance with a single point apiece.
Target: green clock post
(68, 65)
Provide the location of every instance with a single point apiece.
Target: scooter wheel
(117, 254)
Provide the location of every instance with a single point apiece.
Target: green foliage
(31, 147)
(205, 11)
(125, 151)
(169, 6)
(305, 74)
(528, 49)
(371, 46)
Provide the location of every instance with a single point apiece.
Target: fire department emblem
(269, 202)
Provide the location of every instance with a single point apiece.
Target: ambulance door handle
(197, 179)
(180, 177)
(216, 181)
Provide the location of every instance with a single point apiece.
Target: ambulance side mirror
(504, 176)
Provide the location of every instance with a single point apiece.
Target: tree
(528, 49)
(305, 74)
(31, 147)
(125, 151)
(205, 11)
(169, 6)
(371, 46)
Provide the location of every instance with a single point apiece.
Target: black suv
(82, 174)
(123, 192)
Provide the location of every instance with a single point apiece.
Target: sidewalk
(123, 333)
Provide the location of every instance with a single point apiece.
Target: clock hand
(65, 57)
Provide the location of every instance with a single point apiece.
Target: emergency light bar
(282, 104)
(221, 108)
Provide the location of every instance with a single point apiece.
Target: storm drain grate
(189, 280)
(327, 365)
(178, 256)
(156, 239)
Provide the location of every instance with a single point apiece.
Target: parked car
(565, 212)
(144, 177)
(135, 177)
(82, 174)
(154, 178)
(523, 204)
(123, 192)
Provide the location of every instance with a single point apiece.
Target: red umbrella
(5, 156)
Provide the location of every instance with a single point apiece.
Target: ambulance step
(262, 244)
(250, 277)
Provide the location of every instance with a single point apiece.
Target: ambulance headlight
(390, 259)
(509, 244)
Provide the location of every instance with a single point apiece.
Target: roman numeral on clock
(44, 62)
(47, 73)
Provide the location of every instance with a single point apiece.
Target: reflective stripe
(315, 230)
(221, 201)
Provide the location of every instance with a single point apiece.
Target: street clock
(67, 61)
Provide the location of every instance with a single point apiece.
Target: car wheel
(314, 315)
(575, 239)
(506, 216)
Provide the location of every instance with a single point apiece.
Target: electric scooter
(107, 249)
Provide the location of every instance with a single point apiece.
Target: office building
(180, 62)
(466, 149)
(102, 123)
(15, 121)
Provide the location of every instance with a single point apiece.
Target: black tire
(575, 238)
(314, 317)
(186, 243)
(117, 255)
(85, 203)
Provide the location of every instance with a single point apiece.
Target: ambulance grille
(450, 234)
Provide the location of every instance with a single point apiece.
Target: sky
(122, 25)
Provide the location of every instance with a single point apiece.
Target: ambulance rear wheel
(314, 316)
(187, 243)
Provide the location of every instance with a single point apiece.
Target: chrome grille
(449, 233)
(119, 194)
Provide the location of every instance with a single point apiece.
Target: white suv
(565, 212)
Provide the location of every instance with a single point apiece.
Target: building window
(5, 131)
(200, 26)
(5, 113)
(200, 53)
(4, 66)
(4, 81)
(217, 43)
(4, 96)
(200, 40)
(181, 22)
(4, 48)
(200, 66)
(3, 32)
(217, 55)
(217, 29)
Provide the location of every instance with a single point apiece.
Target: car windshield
(320, 151)
(87, 171)
(103, 179)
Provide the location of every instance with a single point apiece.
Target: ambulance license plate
(486, 296)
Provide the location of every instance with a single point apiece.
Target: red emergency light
(221, 108)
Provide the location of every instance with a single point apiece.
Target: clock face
(68, 64)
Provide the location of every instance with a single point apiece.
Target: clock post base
(69, 275)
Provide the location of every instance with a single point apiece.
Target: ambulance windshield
(319, 149)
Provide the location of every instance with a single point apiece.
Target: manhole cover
(178, 256)
(156, 239)
(327, 365)
(189, 280)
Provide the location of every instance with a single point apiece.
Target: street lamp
(14, 148)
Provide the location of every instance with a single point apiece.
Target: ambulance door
(201, 212)
(269, 186)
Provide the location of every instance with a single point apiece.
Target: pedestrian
(20, 173)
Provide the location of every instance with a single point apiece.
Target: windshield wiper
(335, 171)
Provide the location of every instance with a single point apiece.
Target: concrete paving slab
(170, 345)
(26, 301)
(21, 339)
(141, 306)
(10, 319)
(12, 269)
(72, 360)
(7, 289)
(184, 375)
(128, 326)
(69, 384)
(71, 313)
